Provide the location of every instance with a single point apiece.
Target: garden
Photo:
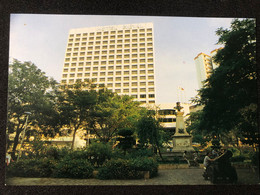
(98, 160)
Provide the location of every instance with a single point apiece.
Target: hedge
(128, 168)
(73, 168)
(31, 168)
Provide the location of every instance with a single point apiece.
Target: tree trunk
(73, 139)
(16, 140)
(160, 152)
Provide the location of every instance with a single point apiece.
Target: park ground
(190, 176)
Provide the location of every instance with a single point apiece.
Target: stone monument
(182, 141)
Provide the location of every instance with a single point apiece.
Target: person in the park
(207, 159)
(185, 157)
(206, 163)
(196, 156)
(8, 158)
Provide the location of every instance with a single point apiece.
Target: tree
(148, 131)
(29, 90)
(233, 85)
(111, 113)
(74, 106)
(193, 124)
(126, 139)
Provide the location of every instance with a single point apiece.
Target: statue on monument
(182, 141)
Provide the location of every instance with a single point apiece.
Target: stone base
(182, 149)
(182, 143)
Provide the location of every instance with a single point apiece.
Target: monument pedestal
(182, 141)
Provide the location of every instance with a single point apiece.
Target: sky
(42, 39)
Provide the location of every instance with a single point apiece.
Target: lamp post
(23, 134)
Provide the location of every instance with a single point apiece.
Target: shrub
(31, 168)
(255, 158)
(239, 158)
(98, 153)
(176, 160)
(145, 164)
(235, 151)
(116, 169)
(78, 154)
(128, 168)
(118, 153)
(143, 152)
(52, 152)
(73, 168)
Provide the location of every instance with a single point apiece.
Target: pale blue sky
(42, 40)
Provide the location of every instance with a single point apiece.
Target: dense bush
(117, 169)
(128, 168)
(31, 168)
(98, 153)
(239, 158)
(255, 158)
(176, 159)
(145, 164)
(235, 151)
(143, 152)
(73, 168)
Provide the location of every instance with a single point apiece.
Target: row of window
(133, 72)
(110, 74)
(167, 112)
(75, 59)
(126, 46)
(111, 51)
(118, 67)
(96, 68)
(167, 120)
(133, 84)
(113, 32)
(111, 80)
(105, 46)
(112, 39)
(97, 53)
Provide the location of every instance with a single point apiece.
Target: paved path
(191, 176)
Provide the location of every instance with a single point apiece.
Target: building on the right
(205, 66)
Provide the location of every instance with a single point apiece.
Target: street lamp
(23, 133)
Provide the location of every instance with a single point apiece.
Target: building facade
(119, 57)
(204, 66)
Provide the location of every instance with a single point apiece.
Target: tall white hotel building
(121, 57)
(205, 66)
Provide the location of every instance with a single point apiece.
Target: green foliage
(42, 167)
(74, 106)
(215, 144)
(98, 153)
(140, 152)
(235, 151)
(37, 147)
(232, 87)
(111, 113)
(29, 90)
(239, 158)
(148, 131)
(176, 159)
(255, 158)
(73, 168)
(117, 169)
(128, 168)
(126, 139)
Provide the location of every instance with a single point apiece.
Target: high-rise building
(120, 57)
(205, 66)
